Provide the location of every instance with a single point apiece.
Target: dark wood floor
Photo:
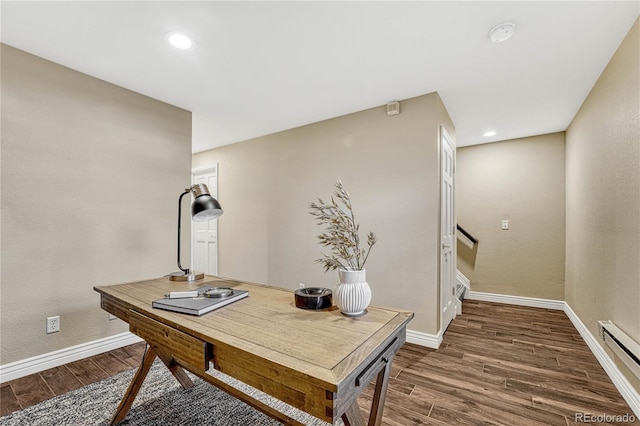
(30, 390)
(498, 364)
(501, 364)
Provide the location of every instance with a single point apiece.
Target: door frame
(443, 138)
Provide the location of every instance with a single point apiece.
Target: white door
(447, 230)
(204, 239)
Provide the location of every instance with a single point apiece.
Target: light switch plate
(505, 224)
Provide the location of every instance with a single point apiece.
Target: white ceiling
(261, 67)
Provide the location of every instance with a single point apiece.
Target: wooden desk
(317, 361)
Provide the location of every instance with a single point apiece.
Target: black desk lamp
(203, 209)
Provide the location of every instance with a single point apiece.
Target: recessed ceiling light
(179, 40)
(502, 32)
(489, 134)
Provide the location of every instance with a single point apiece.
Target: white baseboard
(423, 339)
(619, 380)
(533, 302)
(43, 362)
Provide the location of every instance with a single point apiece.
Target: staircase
(462, 287)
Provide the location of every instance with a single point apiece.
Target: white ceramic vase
(353, 294)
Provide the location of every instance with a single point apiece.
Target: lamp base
(181, 276)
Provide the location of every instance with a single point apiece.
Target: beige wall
(91, 174)
(603, 198)
(523, 181)
(390, 167)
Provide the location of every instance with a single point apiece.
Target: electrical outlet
(301, 285)
(53, 324)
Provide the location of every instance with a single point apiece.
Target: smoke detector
(502, 32)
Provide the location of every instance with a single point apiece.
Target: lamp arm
(186, 191)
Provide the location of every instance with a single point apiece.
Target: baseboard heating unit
(625, 348)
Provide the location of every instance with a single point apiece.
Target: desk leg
(382, 383)
(353, 415)
(134, 386)
(175, 369)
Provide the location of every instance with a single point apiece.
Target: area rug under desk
(161, 401)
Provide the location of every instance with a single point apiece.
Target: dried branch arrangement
(341, 233)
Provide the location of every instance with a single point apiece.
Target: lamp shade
(204, 206)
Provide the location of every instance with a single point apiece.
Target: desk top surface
(324, 343)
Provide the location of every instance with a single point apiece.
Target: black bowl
(313, 298)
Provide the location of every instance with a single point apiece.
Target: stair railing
(464, 232)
